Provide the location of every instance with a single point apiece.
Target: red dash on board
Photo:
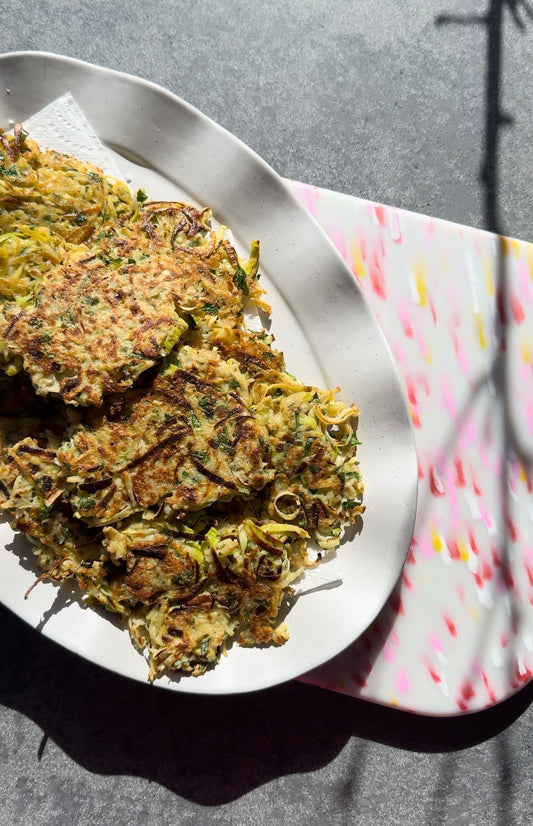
(490, 691)
(411, 391)
(523, 675)
(529, 571)
(467, 690)
(486, 571)
(435, 485)
(407, 582)
(462, 705)
(451, 626)
(434, 676)
(379, 210)
(403, 312)
(473, 543)
(433, 311)
(377, 277)
(460, 480)
(517, 309)
(453, 549)
(513, 533)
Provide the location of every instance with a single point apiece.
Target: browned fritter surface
(94, 329)
(187, 442)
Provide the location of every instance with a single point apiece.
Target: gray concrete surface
(401, 102)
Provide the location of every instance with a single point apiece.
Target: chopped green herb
(211, 309)
(240, 279)
(86, 503)
(207, 405)
(201, 455)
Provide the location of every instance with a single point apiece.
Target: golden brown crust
(187, 442)
(94, 329)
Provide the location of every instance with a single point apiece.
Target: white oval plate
(321, 322)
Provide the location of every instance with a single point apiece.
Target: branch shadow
(364, 652)
(521, 13)
(197, 746)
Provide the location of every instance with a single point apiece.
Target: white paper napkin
(62, 126)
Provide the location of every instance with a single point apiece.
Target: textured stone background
(401, 102)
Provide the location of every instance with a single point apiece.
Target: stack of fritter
(151, 446)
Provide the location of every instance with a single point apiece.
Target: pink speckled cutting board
(456, 306)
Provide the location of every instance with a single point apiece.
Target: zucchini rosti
(154, 449)
(186, 442)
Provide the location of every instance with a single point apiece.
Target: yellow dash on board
(480, 330)
(414, 416)
(357, 258)
(463, 551)
(419, 273)
(489, 278)
(436, 541)
(509, 245)
(515, 246)
(525, 349)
